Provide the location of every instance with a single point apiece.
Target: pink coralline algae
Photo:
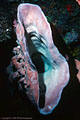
(78, 68)
(40, 70)
(78, 1)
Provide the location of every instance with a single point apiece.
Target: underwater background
(65, 16)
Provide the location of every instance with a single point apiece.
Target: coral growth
(40, 70)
